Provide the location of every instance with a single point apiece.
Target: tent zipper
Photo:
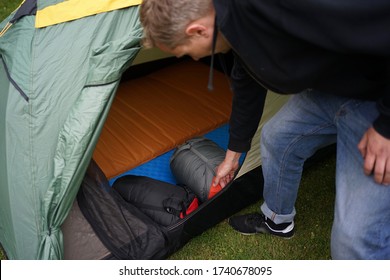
(25, 97)
(5, 29)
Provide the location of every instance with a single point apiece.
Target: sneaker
(258, 223)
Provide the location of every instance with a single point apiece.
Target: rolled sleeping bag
(194, 164)
(163, 202)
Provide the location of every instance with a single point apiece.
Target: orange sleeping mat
(157, 112)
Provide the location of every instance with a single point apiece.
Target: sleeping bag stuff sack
(194, 163)
(164, 203)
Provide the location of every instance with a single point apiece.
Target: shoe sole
(266, 232)
(283, 234)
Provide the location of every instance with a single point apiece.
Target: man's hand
(375, 150)
(226, 170)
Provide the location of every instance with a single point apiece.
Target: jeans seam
(296, 140)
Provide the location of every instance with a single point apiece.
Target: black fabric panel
(28, 8)
(122, 228)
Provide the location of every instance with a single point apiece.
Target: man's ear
(196, 29)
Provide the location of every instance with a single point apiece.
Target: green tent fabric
(57, 84)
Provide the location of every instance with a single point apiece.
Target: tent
(61, 64)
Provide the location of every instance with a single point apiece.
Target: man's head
(179, 27)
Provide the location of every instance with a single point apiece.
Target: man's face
(196, 47)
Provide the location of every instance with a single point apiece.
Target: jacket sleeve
(247, 108)
(382, 123)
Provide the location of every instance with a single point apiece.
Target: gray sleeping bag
(194, 163)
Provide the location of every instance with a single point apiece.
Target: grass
(2, 256)
(313, 221)
(7, 7)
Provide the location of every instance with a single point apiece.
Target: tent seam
(37, 210)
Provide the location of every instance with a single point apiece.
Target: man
(335, 54)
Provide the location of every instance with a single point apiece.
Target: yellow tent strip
(76, 9)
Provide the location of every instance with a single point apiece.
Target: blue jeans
(309, 121)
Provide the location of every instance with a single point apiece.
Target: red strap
(193, 206)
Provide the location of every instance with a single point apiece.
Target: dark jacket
(339, 47)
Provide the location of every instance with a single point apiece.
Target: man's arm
(247, 109)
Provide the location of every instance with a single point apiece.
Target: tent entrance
(151, 114)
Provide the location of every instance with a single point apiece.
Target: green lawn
(313, 221)
(8, 6)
